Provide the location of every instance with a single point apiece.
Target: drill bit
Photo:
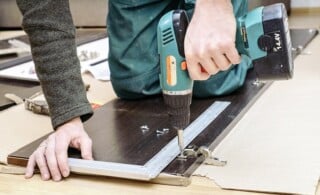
(179, 114)
(181, 141)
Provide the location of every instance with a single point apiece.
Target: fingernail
(45, 176)
(27, 175)
(65, 173)
(57, 178)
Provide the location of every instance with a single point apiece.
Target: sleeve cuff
(82, 111)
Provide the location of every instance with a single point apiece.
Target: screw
(257, 83)
(144, 128)
(163, 131)
(159, 132)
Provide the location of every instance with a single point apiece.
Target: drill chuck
(178, 109)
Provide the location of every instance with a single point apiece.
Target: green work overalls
(133, 57)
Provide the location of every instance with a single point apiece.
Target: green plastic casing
(181, 83)
(249, 29)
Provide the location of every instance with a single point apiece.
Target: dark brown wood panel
(117, 136)
(116, 133)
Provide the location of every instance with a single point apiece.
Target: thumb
(86, 148)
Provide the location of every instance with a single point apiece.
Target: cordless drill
(262, 34)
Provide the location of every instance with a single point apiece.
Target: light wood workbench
(76, 184)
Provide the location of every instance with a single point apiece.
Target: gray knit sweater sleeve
(51, 32)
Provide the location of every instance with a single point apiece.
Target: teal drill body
(174, 77)
(249, 28)
(262, 34)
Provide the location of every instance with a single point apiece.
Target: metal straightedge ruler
(156, 164)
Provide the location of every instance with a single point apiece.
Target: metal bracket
(195, 152)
